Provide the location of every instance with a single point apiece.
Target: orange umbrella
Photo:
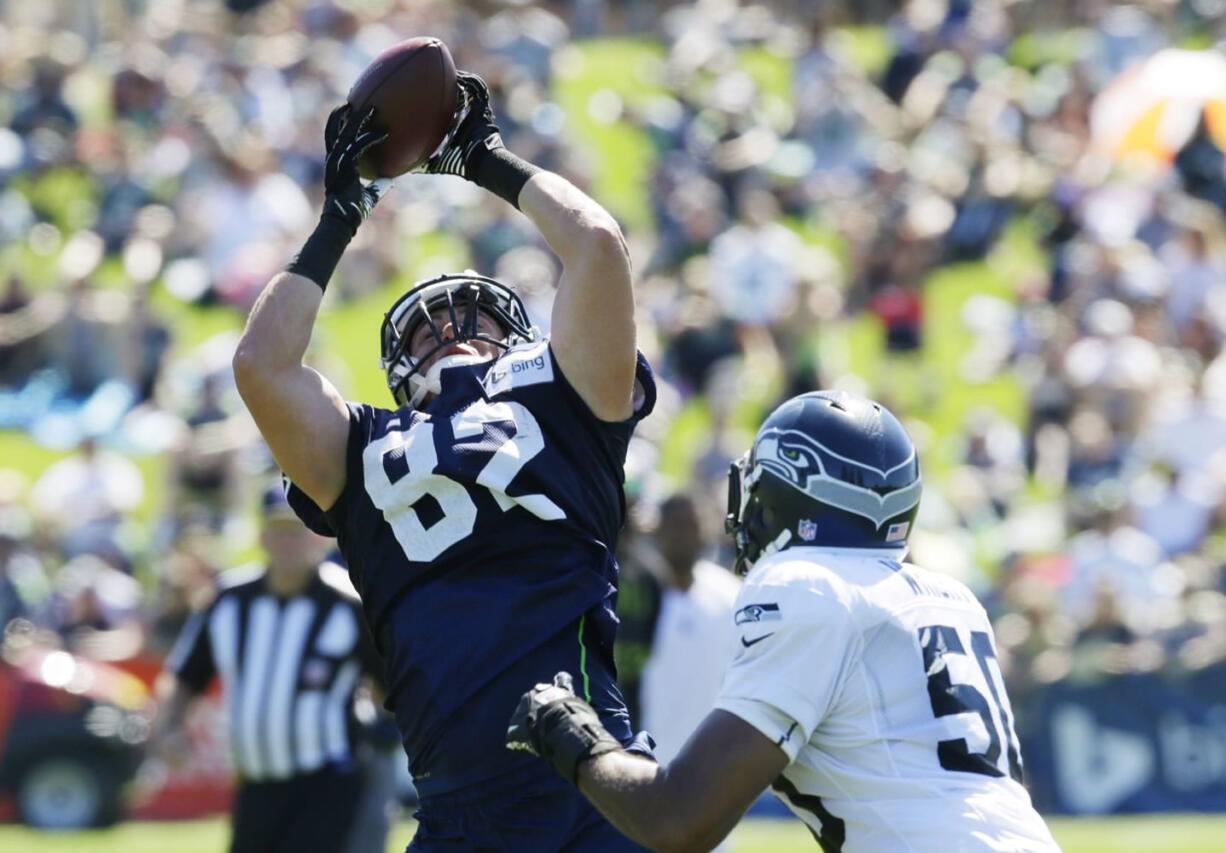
(1146, 114)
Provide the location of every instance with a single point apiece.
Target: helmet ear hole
(764, 518)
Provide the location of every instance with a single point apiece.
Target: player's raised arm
(593, 316)
(592, 331)
(300, 414)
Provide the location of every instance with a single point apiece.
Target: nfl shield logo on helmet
(807, 530)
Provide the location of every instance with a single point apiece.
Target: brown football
(412, 86)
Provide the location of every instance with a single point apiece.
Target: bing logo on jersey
(758, 613)
(807, 529)
(523, 366)
(527, 365)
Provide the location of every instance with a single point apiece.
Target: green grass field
(1180, 833)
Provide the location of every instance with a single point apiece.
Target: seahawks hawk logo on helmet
(829, 468)
(859, 488)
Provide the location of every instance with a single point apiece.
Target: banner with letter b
(1134, 743)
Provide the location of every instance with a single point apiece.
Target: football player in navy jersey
(478, 516)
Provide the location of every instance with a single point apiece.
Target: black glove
(472, 128)
(473, 148)
(346, 139)
(347, 201)
(554, 723)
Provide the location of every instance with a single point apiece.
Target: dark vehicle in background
(72, 736)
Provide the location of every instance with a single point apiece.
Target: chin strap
(432, 382)
(780, 542)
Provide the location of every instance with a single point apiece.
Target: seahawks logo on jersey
(861, 489)
(758, 613)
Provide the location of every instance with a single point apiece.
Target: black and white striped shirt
(288, 668)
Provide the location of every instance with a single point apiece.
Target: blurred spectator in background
(84, 499)
(243, 212)
(694, 635)
(638, 598)
(1195, 274)
(23, 583)
(380, 760)
(186, 583)
(1111, 554)
(754, 263)
(22, 322)
(205, 481)
(148, 342)
(1201, 165)
(42, 105)
(96, 607)
(88, 339)
(901, 312)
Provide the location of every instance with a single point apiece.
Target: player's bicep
(305, 421)
(592, 326)
(593, 337)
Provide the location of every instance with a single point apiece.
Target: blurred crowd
(159, 161)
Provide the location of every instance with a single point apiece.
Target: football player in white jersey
(866, 691)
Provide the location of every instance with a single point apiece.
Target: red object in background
(8, 708)
(1054, 570)
(72, 733)
(901, 311)
(47, 697)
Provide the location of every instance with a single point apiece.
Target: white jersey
(880, 682)
(693, 643)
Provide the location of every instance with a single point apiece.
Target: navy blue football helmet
(829, 469)
(456, 293)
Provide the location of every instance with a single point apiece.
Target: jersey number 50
(396, 488)
(944, 655)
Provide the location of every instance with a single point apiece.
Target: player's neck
(286, 584)
(681, 580)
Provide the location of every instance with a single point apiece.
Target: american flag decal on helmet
(897, 531)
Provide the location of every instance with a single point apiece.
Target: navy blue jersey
(479, 531)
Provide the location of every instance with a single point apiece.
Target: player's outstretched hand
(346, 138)
(472, 128)
(554, 723)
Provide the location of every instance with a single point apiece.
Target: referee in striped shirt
(290, 646)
